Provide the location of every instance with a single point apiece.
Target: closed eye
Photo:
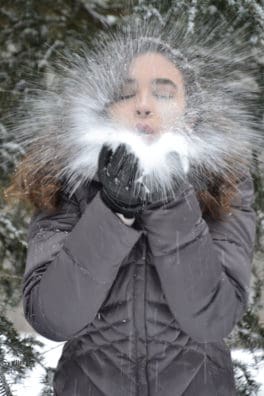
(124, 97)
(167, 96)
(164, 96)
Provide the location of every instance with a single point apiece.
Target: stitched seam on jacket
(85, 270)
(203, 235)
(102, 347)
(237, 245)
(175, 250)
(40, 226)
(93, 382)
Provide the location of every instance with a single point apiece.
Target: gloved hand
(117, 172)
(159, 198)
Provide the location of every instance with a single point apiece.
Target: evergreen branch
(246, 385)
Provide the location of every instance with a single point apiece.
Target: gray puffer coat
(144, 309)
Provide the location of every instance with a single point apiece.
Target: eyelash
(157, 96)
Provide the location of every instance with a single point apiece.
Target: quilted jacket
(144, 310)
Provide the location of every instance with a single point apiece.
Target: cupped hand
(117, 172)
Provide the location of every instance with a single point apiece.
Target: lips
(145, 128)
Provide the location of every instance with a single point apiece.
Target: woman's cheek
(169, 114)
(121, 115)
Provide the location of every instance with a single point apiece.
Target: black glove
(117, 172)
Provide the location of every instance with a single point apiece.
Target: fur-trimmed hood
(67, 123)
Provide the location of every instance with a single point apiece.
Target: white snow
(32, 384)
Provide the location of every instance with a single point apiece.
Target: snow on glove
(159, 198)
(117, 172)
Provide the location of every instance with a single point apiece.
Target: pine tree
(32, 33)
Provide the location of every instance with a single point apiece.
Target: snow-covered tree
(32, 35)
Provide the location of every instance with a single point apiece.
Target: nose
(143, 106)
(143, 112)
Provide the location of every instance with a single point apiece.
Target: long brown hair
(40, 189)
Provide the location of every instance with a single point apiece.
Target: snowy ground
(52, 351)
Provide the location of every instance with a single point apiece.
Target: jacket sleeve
(204, 266)
(72, 262)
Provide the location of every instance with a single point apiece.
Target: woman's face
(152, 98)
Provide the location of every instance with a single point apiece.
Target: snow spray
(67, 124)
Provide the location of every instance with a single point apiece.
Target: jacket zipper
(137, 376)
(145, 304)
(135, 329)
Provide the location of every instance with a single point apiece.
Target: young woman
(144, 288)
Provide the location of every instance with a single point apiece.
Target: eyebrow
(161, 81)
